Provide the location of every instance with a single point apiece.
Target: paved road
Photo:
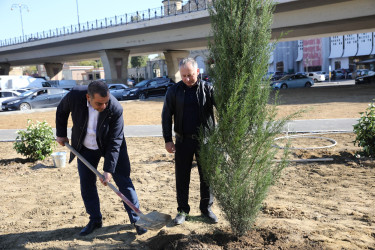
(298, 126)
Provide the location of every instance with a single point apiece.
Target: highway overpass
(175, 35)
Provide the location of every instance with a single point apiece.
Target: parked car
(152, 87)
(35, 98)
(337, 74)
(117, 89)
(6, 95)
(293, 81)
(130, 82)
(204, 77)
(369, 78)
(316, 76)
(277, 75)
(326, 74)
(358, 73)
(22, 90)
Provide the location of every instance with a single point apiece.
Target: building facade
(324, 54)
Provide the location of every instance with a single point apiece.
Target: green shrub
(36, 141)
(365, 131)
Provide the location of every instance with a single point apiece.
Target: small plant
(365, 131)
(36, 141)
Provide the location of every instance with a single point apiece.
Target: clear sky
(44, 15)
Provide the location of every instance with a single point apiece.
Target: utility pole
(20, 6)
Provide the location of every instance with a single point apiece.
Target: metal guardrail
(139, 16)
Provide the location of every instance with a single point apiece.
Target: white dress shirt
(90, 138)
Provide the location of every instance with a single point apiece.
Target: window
(337, 64)
(6, 94)
(161, 81)
(55, 91)
(280, 66)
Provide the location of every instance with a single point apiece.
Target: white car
(7, 94)
(317, 77)
(323, 73)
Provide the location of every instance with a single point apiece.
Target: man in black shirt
(190, 103)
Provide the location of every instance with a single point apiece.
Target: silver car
(7, 94)
(293, 81)
(117, 90)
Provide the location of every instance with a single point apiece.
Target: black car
(365, 79)
(35, 98)
(277, 75)
(152, 87)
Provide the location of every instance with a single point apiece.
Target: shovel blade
(154, 220)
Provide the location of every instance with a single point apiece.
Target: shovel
(152, 221)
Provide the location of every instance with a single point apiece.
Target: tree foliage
(95, 63)
(237, 155)
(138, 61)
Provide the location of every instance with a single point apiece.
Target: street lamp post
(20, 6)
(79, 28)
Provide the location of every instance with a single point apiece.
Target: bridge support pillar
(4, 68)
(53, 70)
(173, 58)
(115, 63)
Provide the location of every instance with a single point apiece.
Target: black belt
(190, 136)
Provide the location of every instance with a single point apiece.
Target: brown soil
(315, 205)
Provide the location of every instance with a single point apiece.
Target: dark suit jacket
(174, 106)
(109, 132)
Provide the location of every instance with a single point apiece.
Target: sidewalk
(297, 126)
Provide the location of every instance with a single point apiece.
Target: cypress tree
(237, 155)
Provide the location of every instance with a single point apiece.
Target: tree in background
(138, 61)
(30, 70)
(160, 56)
(96, 63)
(237, 155)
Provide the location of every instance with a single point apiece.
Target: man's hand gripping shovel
(152, 221)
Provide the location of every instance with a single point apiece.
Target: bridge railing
(188, 6)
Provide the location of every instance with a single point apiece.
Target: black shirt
(191, 120)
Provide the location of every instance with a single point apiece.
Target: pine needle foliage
(237, 155)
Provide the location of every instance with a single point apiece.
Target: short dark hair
(98, 87)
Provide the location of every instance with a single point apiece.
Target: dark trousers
(89, 190)
(186, 148)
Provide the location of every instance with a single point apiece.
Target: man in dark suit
(98, 130)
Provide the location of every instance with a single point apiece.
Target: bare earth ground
(314, 205)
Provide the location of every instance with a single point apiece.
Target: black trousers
(186, 148)
(89, 190)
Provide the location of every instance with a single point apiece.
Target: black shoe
(140, 230)
(90, 227)
(210, 216)
(180, 218)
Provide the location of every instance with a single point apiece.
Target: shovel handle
(110, 185)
